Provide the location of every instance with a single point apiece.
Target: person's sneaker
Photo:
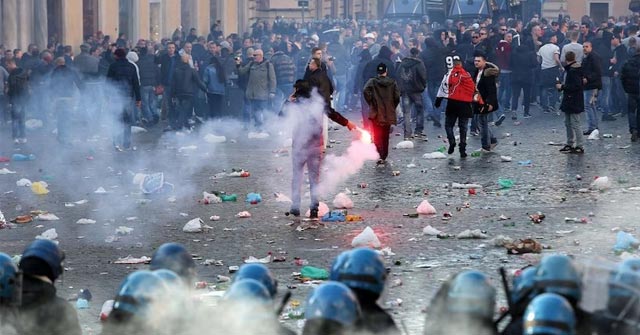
(500, 120)
(420, 136)
(313, 214)
(16, 141)
(118, 148)
(588, 132)
(567, 148)
(295, 212)
(527, 115)
(474, 133)
(381, 162)
(607, 117)
(514, 116)
(634, 136)
(452, 148)
(494, 145)
(577, 150)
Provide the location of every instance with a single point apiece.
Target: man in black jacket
(412, 79)
(485, 77)
(630, 78)
(124, 77)
(168, 62)
(434, 56)
(149, 73)
(592, 70)
(620, 57)
(185, 79)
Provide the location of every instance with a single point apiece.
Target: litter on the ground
(49, 234)
(472, 234)
(193, 226)
(367, 238)
(524, 246)
(425, 208)
(133, 260)
(85, 221)
(342, 201)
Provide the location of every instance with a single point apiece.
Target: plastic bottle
(476, 154)
(22, 157)
(442, 149)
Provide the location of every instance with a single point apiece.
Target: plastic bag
(253, 198)
(322, 210)
(505, 183)
(314, 273)
(334, 216)
(342, 201)
(193, 226)
(601, 183)
(210, 198)
(624, 242)
(24, 182)
(405, 145)
(367, 238)
(425, 208)
(39, 188)
(595, 135)
(49, 234)
(212, 139)
(428, 230)
(434, 155)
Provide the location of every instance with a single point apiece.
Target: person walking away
(503, 55)
(185, 79)
(307, 145)
(630, 78)
(573, 104)
(18, 94)
(261, 86)
(592, 80)
(412, 79)
(122, 74)
(459, 89)
(214, 80)
(434, 56)
(149, 79)
(618, 96)
(523, 61)
(602, 47)
(485, 78)
(383, 96)
(63, 82)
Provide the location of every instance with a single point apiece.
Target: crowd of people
(542, 299)
(187, 79)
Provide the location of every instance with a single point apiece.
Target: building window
(599, 11)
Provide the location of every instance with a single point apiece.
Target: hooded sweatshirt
(383, 96)
(412, 76)
(132, 57)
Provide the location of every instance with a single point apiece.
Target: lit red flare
(365, 137)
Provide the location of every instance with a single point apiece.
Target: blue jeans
(63, 117)
(590, 109)
(410, 101)
(432, 91)
(256, 110)
(184, 110)
(17, 120)
(604, 95)
(149, 104)
(504, 91)
(487, 137)
(122, 136)
(312, 157)
(340, 95)
(618, 96)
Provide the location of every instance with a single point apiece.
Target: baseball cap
(382, 68)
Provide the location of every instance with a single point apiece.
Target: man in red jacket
(459, 89)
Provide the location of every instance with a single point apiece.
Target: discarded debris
(210, 198)
(505, 183)
(503, 218)
(506, 158)
(214, 218)
(428, 230)
(353, 218)
(434, 155)
(253, 198)
(263, 260)
(47, 217)
(405, 145)
(334, 216)
(23, 182)
(367, 238)
(6, 171)
(342, 201)
(601, 183)
(313, 273)
(280, 197)
(243, 214)
(85, 221)
(133, 260)
(425, 208)
(213, 139)
(100, 190)
(193, 226)
(22, 219)
(472, 234)
(49, 234)
(124, 230)
(537, 217)
(501, 241)
(625, 242)
(465, 186)
(595, 135)
(525, 246)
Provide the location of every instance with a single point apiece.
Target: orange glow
(365, 137)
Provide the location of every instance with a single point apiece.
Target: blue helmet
(260, 273)
(248, 290)
(9, 280)
(360, 268)
(624, 290)
(42, 251)
(472, 294)
(549, 314)
(333, 301)
(523, 285)
(174, 257)
(556, 274)
(138, 291)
